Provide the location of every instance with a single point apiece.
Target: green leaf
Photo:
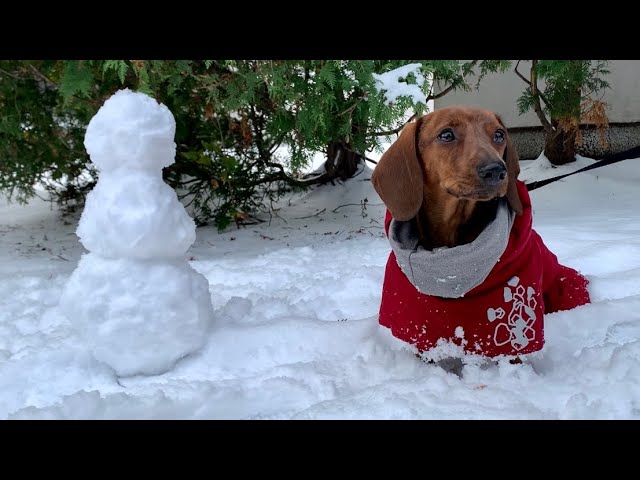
(327, 74)
(526, 101)
(76, 79)
(143, 80)
(228, 163)
(120, 66)
(184, 67)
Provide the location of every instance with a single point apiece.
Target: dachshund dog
(466, 266)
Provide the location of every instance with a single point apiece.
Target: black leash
(615, 158)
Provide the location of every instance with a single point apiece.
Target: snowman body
(134, 298)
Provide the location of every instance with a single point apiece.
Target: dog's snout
(492, 173)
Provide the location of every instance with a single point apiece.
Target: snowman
(134, 299)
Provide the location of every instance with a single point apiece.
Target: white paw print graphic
(518, 327)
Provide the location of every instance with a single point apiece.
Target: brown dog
(466, 266)
(444, 168)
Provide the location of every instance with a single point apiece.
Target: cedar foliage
(568, 98)
(246, 130)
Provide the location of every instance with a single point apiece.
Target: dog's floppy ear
(398, 176)
(510, 157)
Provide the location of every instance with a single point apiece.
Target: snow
(393, 83)
(132, 130)
(135, 214)
(541, 168)
(134, 300)
(132, 212)
(296, 334)
(138, 316)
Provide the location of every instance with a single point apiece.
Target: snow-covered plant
(246, 129)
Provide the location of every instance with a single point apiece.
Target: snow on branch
(395, 83)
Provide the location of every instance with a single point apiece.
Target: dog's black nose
(492, 173)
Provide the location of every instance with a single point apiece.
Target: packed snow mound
(135, 216)
(138, 316)
(542, 169)
(132, 131)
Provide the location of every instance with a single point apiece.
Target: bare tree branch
(314, 215)
(9, 74)
(276, 143)
(520, 75)
(335, 210)
(51, 85)
(442, 93)
(395, 131)
(347, 205)
(548, 128)
(360, 155)
(283, 176)
(450, 87)
(542, 97)
(453, 85)
(350, 109)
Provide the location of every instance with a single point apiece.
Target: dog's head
(463, 151)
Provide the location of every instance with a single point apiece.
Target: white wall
(624, 95)
(500, 92)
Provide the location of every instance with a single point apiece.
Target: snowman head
(131, 130)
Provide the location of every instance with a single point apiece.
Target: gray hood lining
(451, 272)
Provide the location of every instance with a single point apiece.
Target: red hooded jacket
(501, 316)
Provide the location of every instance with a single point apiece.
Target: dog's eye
(498, 137)
(446, 135)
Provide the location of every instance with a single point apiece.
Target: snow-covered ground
(541, 168)
(296, 332)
